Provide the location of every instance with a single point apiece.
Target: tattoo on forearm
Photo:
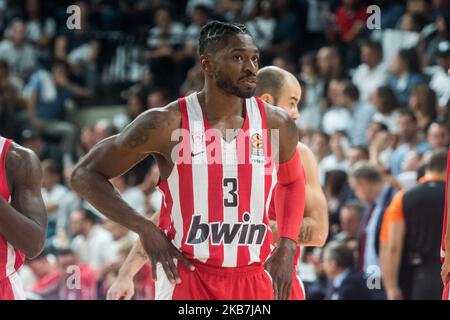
(305, 234)
(142, 255)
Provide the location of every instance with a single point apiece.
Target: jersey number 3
(230, 197)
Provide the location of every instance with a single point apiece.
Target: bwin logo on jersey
(225, 233)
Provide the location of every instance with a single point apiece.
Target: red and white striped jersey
(11, 259)
(216, 199)
(444, 224)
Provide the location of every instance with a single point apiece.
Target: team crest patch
(197, 139)
(257, 148)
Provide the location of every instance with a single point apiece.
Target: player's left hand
(280, 266)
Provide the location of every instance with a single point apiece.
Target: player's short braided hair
(215, 32)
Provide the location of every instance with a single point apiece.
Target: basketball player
(279, 87)
(23, 220)
(276, 87)
(445, 243)
(214, 239)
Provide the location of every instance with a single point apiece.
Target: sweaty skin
(150, 133)
(24, 222)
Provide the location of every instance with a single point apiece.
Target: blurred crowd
(374, 111)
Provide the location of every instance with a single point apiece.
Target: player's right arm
(149, 133)
(123, 287)
(314, 229)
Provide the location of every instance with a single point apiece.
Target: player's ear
(205, 63)
(267, 97)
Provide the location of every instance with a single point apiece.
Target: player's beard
(226, 85)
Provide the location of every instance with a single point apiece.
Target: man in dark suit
(346, 282)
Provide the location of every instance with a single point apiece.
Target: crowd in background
(374, 111)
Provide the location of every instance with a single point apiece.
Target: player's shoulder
(276, 116)
(306, 155)
(167, 117)
(19, 153)
(304, 150)
(22, 162)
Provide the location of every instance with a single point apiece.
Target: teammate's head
(279, 87)
(229, 58)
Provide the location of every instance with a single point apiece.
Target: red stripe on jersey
(185, 185)
(5, 193)
(215, 186)
(444, 225)
(165, 218)
(265, 248)
(6, 290)
(244, 182)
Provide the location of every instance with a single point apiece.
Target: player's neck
(218, 104)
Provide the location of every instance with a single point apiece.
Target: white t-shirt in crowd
(97, 250)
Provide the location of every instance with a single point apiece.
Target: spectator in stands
(37, 269)
(387, 105)
(410, 140)
(337, 192)
(136, 104)
(320, 145)
(346, 282)
(423, 103)
(440, 82)
(47, 95)
(381, 145)
(262, 27)
(158, 97)
(350, 219)
(13, 115)
(132, 195)
(102, 129)
(338, 159)
(330, 65)
(40, 28)
(407, 73)
(312, 93)
(441, 34)
(80, 49)
(92, 244)
(372, 72)
(360, 112)
(438, 135)
(32, 139)
(52, 193)
(351, 19)
(164, 39)
(60, 285)
(337, 117)
(18, 52)
(367, 182)
(284, 40)
(357, 153)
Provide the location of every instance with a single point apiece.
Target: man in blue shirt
(409, 134)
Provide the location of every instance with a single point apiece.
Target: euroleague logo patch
(257, 148)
